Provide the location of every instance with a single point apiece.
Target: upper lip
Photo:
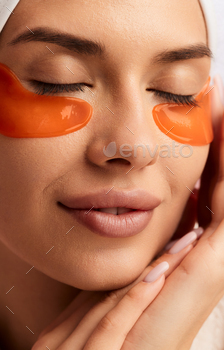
(136, 199)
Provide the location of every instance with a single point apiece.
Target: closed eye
(175, 98)
(42, 88)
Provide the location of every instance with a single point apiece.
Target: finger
(87, 325)
(185, 245)
(186, 300)
(199, 231)
(109, 335)
(76, 302)
(59, 332)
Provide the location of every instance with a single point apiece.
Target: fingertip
(156, 272)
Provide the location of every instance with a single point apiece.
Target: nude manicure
(198, 184)
(183, 242)
(155, 273)
(199, 231)
(170, 244)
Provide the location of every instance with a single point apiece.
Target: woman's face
(38, 173)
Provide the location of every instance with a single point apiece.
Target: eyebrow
(69, 41)
(186, 53)
(96, 48)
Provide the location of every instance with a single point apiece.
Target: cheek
(30, 170)
(31, 157)
(30, 221)
(180, 182)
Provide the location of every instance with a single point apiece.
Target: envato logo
(165, 150)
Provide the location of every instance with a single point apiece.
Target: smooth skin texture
(194, 286)
(35, 174)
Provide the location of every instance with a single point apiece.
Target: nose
(125, 135)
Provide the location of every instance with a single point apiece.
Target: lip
(110, 198)
(82, 209)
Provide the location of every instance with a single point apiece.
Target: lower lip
(110, 225)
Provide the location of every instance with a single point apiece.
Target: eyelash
(47, 88)
(178, 99)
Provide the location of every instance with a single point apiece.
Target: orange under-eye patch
(26, 114)
(185, 124)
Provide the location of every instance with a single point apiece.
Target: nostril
(118, 161)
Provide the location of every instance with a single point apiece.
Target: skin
(36, 173)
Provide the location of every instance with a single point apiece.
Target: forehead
(124, 22)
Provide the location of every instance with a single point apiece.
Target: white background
(219, 59)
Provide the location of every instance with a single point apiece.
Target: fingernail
(170, 244)
(218, 81)
(183, 242)
(199, 231)
(155, 273)
(198, 184)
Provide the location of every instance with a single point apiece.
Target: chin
(105, 278)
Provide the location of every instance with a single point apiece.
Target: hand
(86, 313)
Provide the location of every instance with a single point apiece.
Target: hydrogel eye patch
(185, 124)
(26, 114)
